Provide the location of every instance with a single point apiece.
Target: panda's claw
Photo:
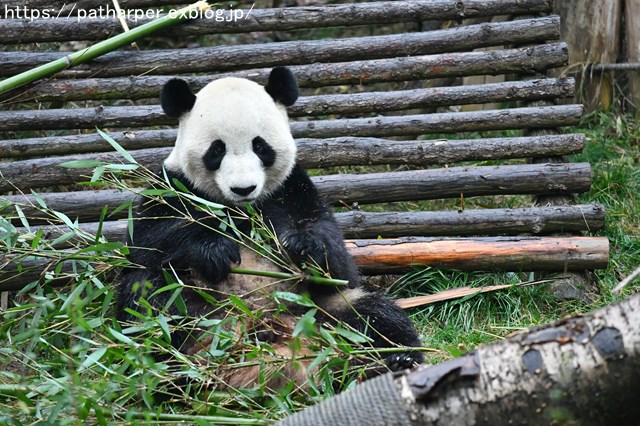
(403, 361)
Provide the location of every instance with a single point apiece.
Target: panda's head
(234, 142)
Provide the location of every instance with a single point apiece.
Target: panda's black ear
(282, 86)
(176, 98)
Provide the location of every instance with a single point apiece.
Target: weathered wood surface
(534, 59)
(360, 224)
(592, 30)
(282, 19)
(405, 125)
(356, 103)
(225, 58)
(312, 153)
(632, 31)
(374, 187)
(375, 256)
(505, 253)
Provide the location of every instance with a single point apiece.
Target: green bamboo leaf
(93, 358)
(81, 164)
(117, 146)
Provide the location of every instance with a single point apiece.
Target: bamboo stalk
(370, 188)
(286, 276)
(277, 19)
(357, 103)
(98, 49)
(398, 255)
(226, 58)
(360, 224)
(510, 61)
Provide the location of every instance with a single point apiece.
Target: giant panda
(234, 147)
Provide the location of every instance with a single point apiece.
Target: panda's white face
(234, 144)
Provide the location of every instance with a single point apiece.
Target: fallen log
(225, 58)
(345, 189)
(357, 103)
(535, 59)
(281, 19)
(400, 255)
(583, 370)
(313, 153)
(359, 224)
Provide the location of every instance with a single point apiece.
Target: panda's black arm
(160, 240)
(307, 228)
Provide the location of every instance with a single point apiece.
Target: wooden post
(632, 22)
(592, 30)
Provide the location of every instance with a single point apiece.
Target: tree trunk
(578, 371)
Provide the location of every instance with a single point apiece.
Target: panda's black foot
(402, 361)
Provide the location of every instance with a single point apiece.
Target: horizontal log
(372, 187)
(377, 256)
(406, 125)
(225, 58)
(360, 224)
(312, 153)
(533, 59)
(357, 103)
(281, 19)
(488, 253)
(72, 8)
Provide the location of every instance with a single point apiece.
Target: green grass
(65, 360)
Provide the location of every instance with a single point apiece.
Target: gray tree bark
(582, 371)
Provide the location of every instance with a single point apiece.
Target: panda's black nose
(243, 191)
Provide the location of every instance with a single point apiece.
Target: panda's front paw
(402, 361)
(306, 249)
(218, 258)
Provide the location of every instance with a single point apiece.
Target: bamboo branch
(98, 49)
(285, 276)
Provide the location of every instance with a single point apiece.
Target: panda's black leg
(380, 318)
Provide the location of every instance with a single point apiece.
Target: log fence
(388, 97)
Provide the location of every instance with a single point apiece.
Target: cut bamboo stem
(98, 49)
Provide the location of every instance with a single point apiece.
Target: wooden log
(511, 61)
(313, 153)
(224, 58)
(360, 224)
(535, 117)
(406, 125)
(280, 19)
(399, 255)
(372, 187)
(357, 103)
(505, 253)
(64, 9)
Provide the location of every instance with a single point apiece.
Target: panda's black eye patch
(214, 155)
(263, 150)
